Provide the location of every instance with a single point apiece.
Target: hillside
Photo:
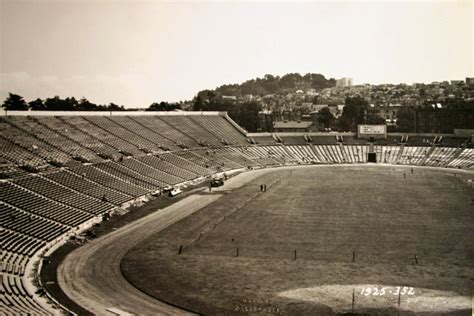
(270, 84)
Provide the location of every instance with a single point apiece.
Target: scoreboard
(375, 131)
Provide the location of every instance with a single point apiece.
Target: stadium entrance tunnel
(357, 298)
(372, 157)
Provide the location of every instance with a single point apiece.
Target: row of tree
(15, 102)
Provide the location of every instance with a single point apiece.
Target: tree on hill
(15, 102)
(289, 81)
(246, 115)
(325, 117)
(354, 113)
(37, 105)
(208, 100)
(70, 104)
(271, 84)
(58, 104)
(406, 120)
(163, 106)
(115, 107)
(86, 105)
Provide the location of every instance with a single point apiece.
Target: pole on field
(295, 254)
(398, 310)
(237, 253)
(416, 259)
(180, 249)
(353, 299)
(353, 256)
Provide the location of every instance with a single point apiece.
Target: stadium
(304, 223)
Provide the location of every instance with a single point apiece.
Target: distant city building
(454, 82)
(344, 82)
(229, 97)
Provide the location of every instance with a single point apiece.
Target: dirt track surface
(91, 275)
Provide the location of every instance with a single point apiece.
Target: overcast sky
(138, 52)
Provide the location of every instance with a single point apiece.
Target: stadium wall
(111, 113)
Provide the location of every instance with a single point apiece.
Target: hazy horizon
(134, 53)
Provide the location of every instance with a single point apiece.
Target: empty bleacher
(129, 175)
(39, 205)
(88, 187)
(104, 136)
(221, 128)
(63, 194)
(15, 299)
(71, 132)
(235, 156)
(185, 164)
(221, 162)
(193, 130)
(35, 226)
(90, 173)
(39, 128)
(259, 155)
(167, 130)
(153, 166)
(28, 141)
(111, 125)
(198, 160)
(162, 143)
(9, 169)
(464, 159)
(20, 156)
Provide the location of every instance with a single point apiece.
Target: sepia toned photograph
(236, 157)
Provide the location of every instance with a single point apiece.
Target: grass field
(355, 230)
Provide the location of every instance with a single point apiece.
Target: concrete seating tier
(221, 128)
(28, 141)
(164, 178)
(127, 136)
(172, 173)
(89, 172)
(36, 204)
(88, 187)
(173, 133)
(65, 195)
(185, 164)
(145, 132)
(85, 126)
(28, 224)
